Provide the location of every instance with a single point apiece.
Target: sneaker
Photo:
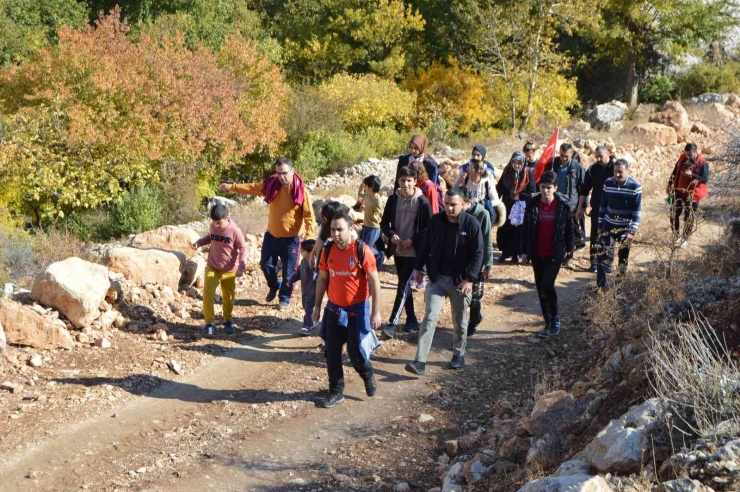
(389, 330)
(684, 244)
(305, 331)
(333, 399)
(580, 248)
(515, 260)
(271, 295)
(502, 259)
(679, 241)
(371, 387)
(209, 330)
(411, 326)
(473, 327)
(416, 367)
(545, 332)
(283, 305)
(593, 269)
(457, 362)
(229, 328)
(554, 328)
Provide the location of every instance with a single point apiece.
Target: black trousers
(595, 246)
(580, 228)
(475, 316)
(682, 206)
(404, 297)
(336, 337)
(545, 273)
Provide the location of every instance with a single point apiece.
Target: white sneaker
(305, 331)
(680, 241)
(684, 244)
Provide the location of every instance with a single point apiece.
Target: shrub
(16, 253)
(453, 94)
(137, 210)
(704, 77)
(71, 107)
(658, 89)
(364, 101)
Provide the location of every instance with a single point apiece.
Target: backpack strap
(360, 252)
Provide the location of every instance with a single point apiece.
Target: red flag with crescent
(546, 156)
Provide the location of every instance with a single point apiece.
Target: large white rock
(570, 483)
(194, 268)
(23, 326)
(654, 134)
(74, 287)
(683, 485)
(170, 238)
(606, 116)
(674, 115)
(146, 266)
(622, 445)
(3, 340)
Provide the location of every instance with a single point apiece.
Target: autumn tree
(513, 44)
(100, 112)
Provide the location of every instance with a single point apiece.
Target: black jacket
(505, 188)
(468, 248)
(593, 181)
(388, 222)
(575, 180)
(565, 237)
(430, 165)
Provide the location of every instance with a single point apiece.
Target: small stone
(425, 417)
(174, 366)
(83, 338)
(160, 335)
(402, 487)
(120, 321)
(141, 470)
(102, 343)
(452, 447)
(299, 482)
(35, 361)
(32, 475)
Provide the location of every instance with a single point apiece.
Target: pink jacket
(227, 246)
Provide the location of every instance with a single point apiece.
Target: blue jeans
(287, 249)
(370, 236)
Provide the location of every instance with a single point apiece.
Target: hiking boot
(229, 328)
(209, 330)
(457, 362)
(416, 367)
(334, 398)
(473, 327)
(389, 330)
(554, 327)
(411, 326)
(271, 295)
(283, 305)
(371, 387)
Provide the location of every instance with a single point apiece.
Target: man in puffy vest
(687, 185)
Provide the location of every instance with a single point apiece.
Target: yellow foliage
(454, 94)
(364, 101)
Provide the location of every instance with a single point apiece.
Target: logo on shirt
(351, 262)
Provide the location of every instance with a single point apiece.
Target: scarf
(271, 187)
(420, 142)
(516, 181)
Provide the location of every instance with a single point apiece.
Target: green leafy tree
(27, 25)
(640, 35)
(324, 37)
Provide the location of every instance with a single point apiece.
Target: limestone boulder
(654, 134)
(682, 485)
(146, 266)
(607, 116)
(720, 114)
(701, 129)
(194, 269)
(709, 98)
(75, 288)
(674, 115)
(571, 483)
(621, 446)
(169, 238)
(23, 326)
(733, 101)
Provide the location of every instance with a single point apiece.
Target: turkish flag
(546, 156)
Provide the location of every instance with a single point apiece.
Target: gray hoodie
(405, 218)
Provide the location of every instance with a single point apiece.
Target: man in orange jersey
(290, 210)
(347, 270)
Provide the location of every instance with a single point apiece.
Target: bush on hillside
(135, 211)
(705, 77)
(71, 107)
(658, 89)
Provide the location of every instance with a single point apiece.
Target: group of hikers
(437, 228)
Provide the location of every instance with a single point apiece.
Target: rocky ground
(106, 383)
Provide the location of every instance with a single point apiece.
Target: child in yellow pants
(226, 261)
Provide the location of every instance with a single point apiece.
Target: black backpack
(360, 252)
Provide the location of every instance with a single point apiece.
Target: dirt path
(249, 420)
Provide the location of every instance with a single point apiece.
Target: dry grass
(694, 373)
(251, 217)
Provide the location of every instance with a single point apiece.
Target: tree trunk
(632, 81)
